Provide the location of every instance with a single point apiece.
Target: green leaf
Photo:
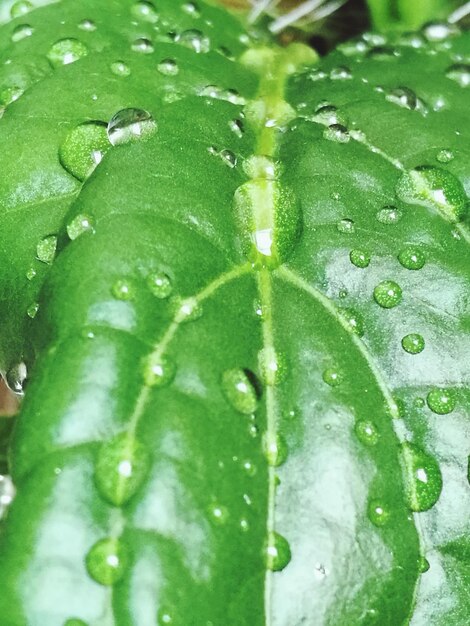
(245, 322)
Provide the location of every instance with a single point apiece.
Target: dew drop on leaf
(434, 188)
(346, 226)
(388, 294)
(32, 310)
(236, 126)
(337, 133)
(413, 343)
(9, 95)
(130, 125)
(15, 377)
(20, 8)
(403, 97)
(7, 493)
(142, 45)
(119, 68)
(328, 116)
(241, 390)
(460, 73)
(278, 554)
(168, 67)
(159, 370)
(332, 377)
(121, 467)
(366, 432)
(445, 156)
(423, 476)
(229, 158)
(442, 401)
(194, 39)
(412, 258)
(123, 290)
(389, 215)
(218, 514)
(66, 51)
(191, 8)
(359, 258)
(383, 53)
(189, 310)
(439, 31)
(275, 449)
(353, 321)
(423, 564)
(378, 513)
(145, 11)
(83, 149)
(21, 32)
(160, 285)
(272, 366)
(80, 224)
(164, 616)
(87, 25)
(107, 561)
(46, 249)
(341, 73)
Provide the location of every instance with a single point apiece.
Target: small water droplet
(423, 565)
(9, 95)
(80, 224)
(273, 367)
(383, 53)
(159, 370)
(160, 285)
(249, 468)
(366, 432)
(378, 513)
(142, 45)
(21, 32)
(424, 478)
(130, 125)
(403, 97)
(460, 73)
(337, 133)
(195, 40)
(346, 226)
(32, 310)
(31, 273)
(341, 73)
(189, 310)
(241, 390)
(353, 321)
(107, 561)
(388, 294)
(442, 401)
(20, 8)
(445, 156)
(389, 215)
(328, 116)
(413, 343)
(439, 31)
(191, 8)
(87, 25)
(119, 68)
(359, 258)
(244, 525)
(46, 249)
(412, 258)
(332, 377)
(228, 157)
(168, 67)
(164, 616)
(275, 449)
(15, 377)
(66, 51)
(121, 467)
(236, 126)
(278, 554)
(218, 514)
(145, 11)
(123, 290)
(84, 148)
(412, 40)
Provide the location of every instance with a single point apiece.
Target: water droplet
(15, 377)
(189, 310)
(388, 294)
(168, 67)
(130, 125)
(341, 73)
(439, 31)
(366, 432)
(413, 343)
(236, 126)
(87, 25)
(383, 53)
(21, 32)
(123, 290)
(332, 377)
(412, 40)
(145, 11)
(32, 310)
(460, 73)
(442, 401)
(218, 514)
(75, 622)
(7, 494)
(9, 95)
(160, 285)
(229, 158)
(46, 249)
(191, 8)
(278, 554)
(378, 513)
(195, 40)
(119, 68)
(423, 565)
(142, 45)
(269, 221)
(259, 166)
(337, 133)
(83, 149)
(272, 366)
(275, 449)
(389, 215)
(107, 561)
(346, 226)
(328, 116)
(20, 8)
(424, 478)
(159, 370)
(80, 224)
(244, 525)
(31, 273)
(445, 156)
(249, 468)
(404, 97)
(241, 390)
(359, 258)
(66, 51)
(353, 321)
(412, 258)
(164, 617)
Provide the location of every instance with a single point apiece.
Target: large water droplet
(15, 377)
(359, 258)
(413, 343)
(275, 449)
(278, 554)
(158, 370)
(435, 188)
(21, 32)
(366, 432)
(142, 45)
(439, 31)
(20, 8)
(194, 39)
(119, 68)
(66, 51)
(404, 97)
(445, 156)
(389, 215)
(442, 401)
(241, 390)
(412, 258)
(378, 513)
(107, 561)
(168, 67)
(46, 249)
(328, 116)
(424, 478)
(332, 377)
(160, 285)
(460, 73)
(388, 294)
(130, 125)
(121, 467)
(145, 11)
(80, 224)
(269, 221)
(83, 148)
